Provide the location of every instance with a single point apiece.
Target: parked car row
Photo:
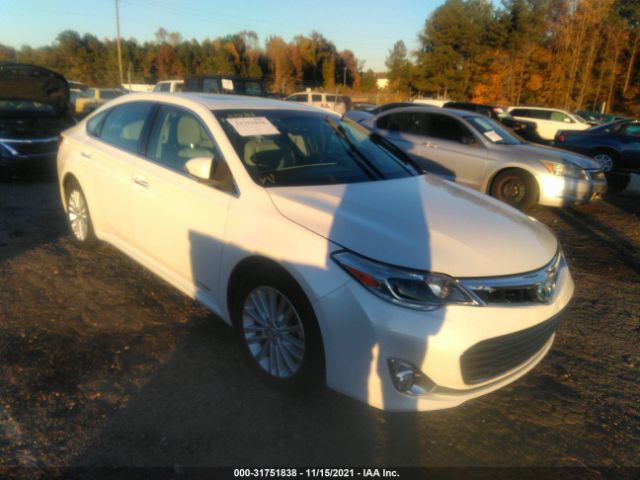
(613, 145)
(480, 153)
(320, 239)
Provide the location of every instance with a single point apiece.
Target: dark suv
(34, 110)
(224, 84)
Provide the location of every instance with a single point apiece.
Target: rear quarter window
(94, 124)
(124, 126)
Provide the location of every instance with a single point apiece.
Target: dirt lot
(102, 364)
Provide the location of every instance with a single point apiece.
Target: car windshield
(580, 118)
(289, 147)
(24, 107)
(492, 131)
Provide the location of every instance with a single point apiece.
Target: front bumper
(362, 332)
(557, 191)
(23, 164)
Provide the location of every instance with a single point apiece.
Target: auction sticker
(493, 136)
(227, 84)
(252, 126)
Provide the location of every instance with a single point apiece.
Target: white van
(432, 102)
(170, 86)
(326, 101)
(549, 120)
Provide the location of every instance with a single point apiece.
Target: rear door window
(540, 114)
(94, 125)
(124, 125)
(414, 123)
(520, 112)
(447, 128)
(560, 117)
(631, 130)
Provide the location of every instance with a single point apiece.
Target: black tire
(310, 374)
(515, 187)
(607, 160)
(83, 236)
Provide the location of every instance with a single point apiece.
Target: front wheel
(78, 216)
(515, 187)
(278, 331)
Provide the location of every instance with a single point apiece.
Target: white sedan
(336, 260)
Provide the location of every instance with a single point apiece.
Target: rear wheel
(606, 159)
(78, 216)
(278, 331)
(515, 187)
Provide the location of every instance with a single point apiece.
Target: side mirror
(199, 167)
(567, 120)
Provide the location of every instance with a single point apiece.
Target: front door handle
(86, 155)
(139, 181)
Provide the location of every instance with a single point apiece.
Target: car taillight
(561, 138)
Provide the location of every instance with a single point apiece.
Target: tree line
(306, 61)
(576, 54)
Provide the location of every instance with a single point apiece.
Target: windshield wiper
(403, 157)
(363, 162)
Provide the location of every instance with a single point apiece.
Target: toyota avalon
(334, 257)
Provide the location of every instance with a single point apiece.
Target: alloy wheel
(78, 215)
(605, 161)
(273, 332)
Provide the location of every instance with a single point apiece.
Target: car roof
(548, 109)
(431, 109)
(213, 101)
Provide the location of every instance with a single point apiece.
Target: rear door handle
(139, 181)
(86, 155)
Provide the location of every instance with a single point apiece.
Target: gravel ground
(103, 364)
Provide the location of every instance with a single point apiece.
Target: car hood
(36, 84)
(540, 152)
(421, 223)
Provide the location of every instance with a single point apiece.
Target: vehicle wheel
(607, 160)
(78, 216)
(515, 187)
(278, 331)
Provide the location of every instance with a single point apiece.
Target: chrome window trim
(29, 140)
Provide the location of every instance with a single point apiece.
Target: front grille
(508, 295)
(34, 148)
(493, 357)
(534, 287)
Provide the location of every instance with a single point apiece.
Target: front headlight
(408, 288)
(564, 169)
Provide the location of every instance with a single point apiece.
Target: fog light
(407, 378)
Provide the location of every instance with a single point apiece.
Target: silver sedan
(475, 151)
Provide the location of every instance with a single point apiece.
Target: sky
(368, 28)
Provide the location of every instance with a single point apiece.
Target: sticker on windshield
(227, 84)
(252, 126)
(493, 136)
